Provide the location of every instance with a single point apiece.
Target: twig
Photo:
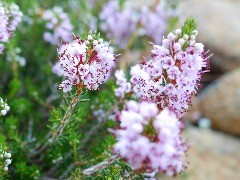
(30, 130)
(60, 129)
(101, 165)
(83, 143)
(68, 170)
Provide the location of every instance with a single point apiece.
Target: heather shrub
(72, 107)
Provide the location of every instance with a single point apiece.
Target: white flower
(5, 168)
(8, 161)
(3, 112)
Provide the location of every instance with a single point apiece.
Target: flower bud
(185, 36)
(8, 161)
(177, 47)
(192, 37)
(181, 41)
(95, 42)
(178, 31)
(89, 37)
(3, 112)
(195, 32)
(7, 108)
(8, 155)
(5, 168)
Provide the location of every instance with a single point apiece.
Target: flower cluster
(4, 31)
(149, 140)
(173, 74)
(120, 22)
(15, 56)
(15, 15)
(87, 61)
(5, 159)
(4, 108)
(10, 17)
(154, 22)
(59, 24)
(117, 23)
(124, 86)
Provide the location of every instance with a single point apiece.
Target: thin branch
(101, 165)
(30, 130)
(60, 129)
(88, 136)
(70, 153)
(68, 170)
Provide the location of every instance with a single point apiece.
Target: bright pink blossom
(173, 74)
(89, 62)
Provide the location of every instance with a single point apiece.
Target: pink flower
(154, 22)
(150, 140)
(117, 23)
(87, 61)
(59, 26)
(173, 74)
(124, 86)
(15, 16)
(4, 30)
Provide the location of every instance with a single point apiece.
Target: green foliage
(27, 171)
(188, 26)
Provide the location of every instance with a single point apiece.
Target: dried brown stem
(101, 165)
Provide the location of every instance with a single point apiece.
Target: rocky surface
(212, 156)
(220, 102)
(138, 4)
(218, 25)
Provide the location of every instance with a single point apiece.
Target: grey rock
(220, 102)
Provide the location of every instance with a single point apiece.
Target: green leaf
(188, 26)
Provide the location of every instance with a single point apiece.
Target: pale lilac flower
(57, 69)
(117, 23)
(4, 30)
(15, 16)
(173, 74)
(13, 13)
(124, 86)
(150, 140)
(154, 22)
(58, 25)
(85, 61)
